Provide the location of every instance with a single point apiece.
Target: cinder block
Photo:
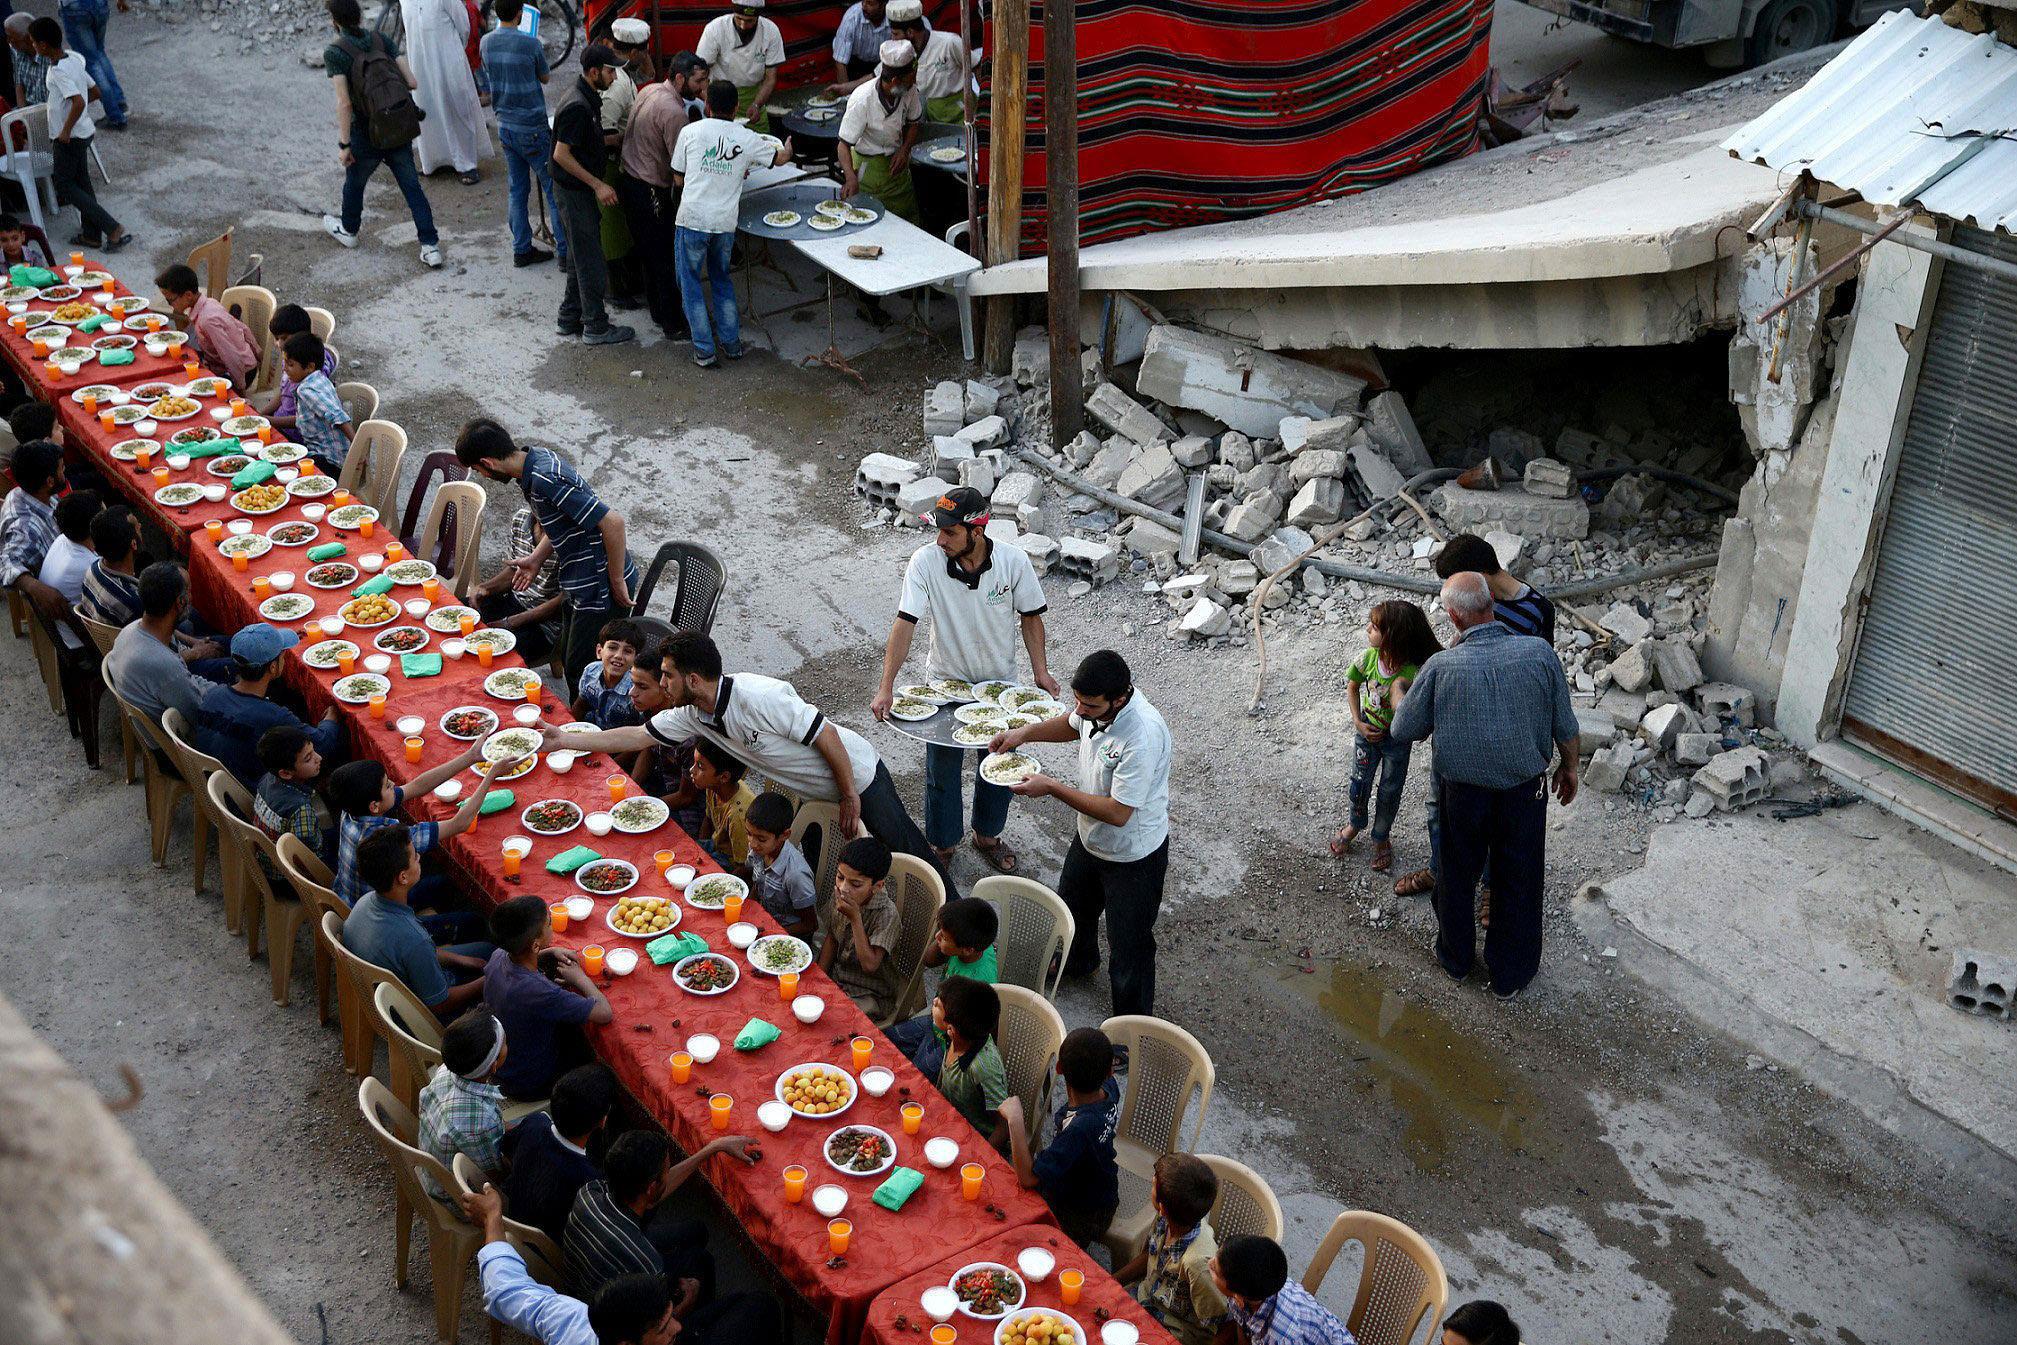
(916, 498)
(1736, 779)
(986, 432)
(1153, 478)
(1695, 749)
(1017, 489)
(879, 476)
(1124, 415)
(1082, 558)
(1546, 476)
(1042, 550)
(1239, 385)
(1280, 549)
(981, 400)
(1192, 451)
(1675, 667)
(1982, 983)
(1633, 669)
(1238, 578)
(978, 473)
(1150, 537)
(1662, 726)
(1725, 700)
(1513, 511)
(948, 452)
(1608, 768)
(1320, 501)
(945, 409)
(1030, 366)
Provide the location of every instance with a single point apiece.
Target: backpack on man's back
(378, 91)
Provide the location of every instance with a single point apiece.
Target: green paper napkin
(496, 801)
(381, 584)
(755, 1033)
(668, 948)
(567, 861)
(327, 551)
(115, 357)
(25, 274)
(420, 665)
(901, 1186)
(92, 324)
(209, 448)
(252, 475)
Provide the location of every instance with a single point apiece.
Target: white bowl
(703, 1047)
(448, 790)
(939, 1303)
(941, 1152)
(220, 413)
(314, 512)
(518, 845)
(282, 580)
(621, 961)
(17, 308)
(875, 1080)
(377, 663)
(410, 725)
(773, 1115)
(215, 492)
(526, 714)
(679, 875)
(561, 762)
(828, 1200)
(239, 526)
(1036, 1264)
(332, 625)
(579, 908)
(598, 824)
(371, 564)
(178, 461)
(73, 271)
(1119, 1332)
(453, 648)
(742, 934)
(808, 1008)
(144, 429)
(417, 607)
(285, 475)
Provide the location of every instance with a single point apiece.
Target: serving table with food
(1013, 1289)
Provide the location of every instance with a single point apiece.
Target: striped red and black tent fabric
(1200, 111)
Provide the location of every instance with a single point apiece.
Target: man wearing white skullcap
(745, 49)
(632, 40)
(857, 43)
(944, 69)
(878, 130)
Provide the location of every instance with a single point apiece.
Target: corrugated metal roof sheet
(1913, 111)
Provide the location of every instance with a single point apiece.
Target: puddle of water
(1440, 1079)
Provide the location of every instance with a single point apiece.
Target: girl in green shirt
(1398, 642)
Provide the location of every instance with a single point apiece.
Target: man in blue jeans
(515, 66)
(709, 163)
(354, 150)
(84, 32)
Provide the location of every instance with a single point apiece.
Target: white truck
(1730, 32)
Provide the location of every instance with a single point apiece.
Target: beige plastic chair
(1029, 1036)
(412, 1036)
(1246, 1204)
(918, 892)
(45, 660)
(467, 499)
(359, 399)
(314, 885)
(371, 468)
(102, 635)
(320, 321)
(253, 305)
(1165, 1066)
(1036, 932)
(359, 982)
(212, 261)
(816, 826)
(196, 767)
(164, 782)
(1400, 1285)
(281, 913)
(452, 1241)
(541, 1254)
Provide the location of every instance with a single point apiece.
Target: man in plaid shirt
(28, 523)
(461, 1112)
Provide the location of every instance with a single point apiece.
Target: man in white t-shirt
(710, 161)
(70, 131)
(764, 723)
(978, 596)
(745, 49)
(1121, 854)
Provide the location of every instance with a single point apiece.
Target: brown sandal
(997, 856)
(1341, 844)
(1383, 857)
(1415, 884)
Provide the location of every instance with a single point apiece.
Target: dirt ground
(1588, 1154)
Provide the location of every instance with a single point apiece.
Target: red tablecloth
(84, 434)
(1101, 1293)
(36, 373)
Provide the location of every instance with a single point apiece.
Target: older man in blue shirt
(1498, 705)
(231, 719)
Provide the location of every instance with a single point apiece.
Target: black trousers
(884, 817)
(682, 1245)
(1503, 831)
(648, 210)
(1131, 895)
(535, 646)
(578, 634)
(71, 170)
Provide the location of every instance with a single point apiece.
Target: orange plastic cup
(143, 456)
(484, 653)
(945, 1333)
(619, 785)
(261, 586)
(394, 551)
(345, 662)
(837, 1234)
(155, 322)
(366, 527)
(106, 423)
(591, 959)
(160, 476)
(467, 621)
(19, 322)
(308, 467)
(532, 688)
(214, 529)
(512, 856)
(862, 1048)
(90, 403)
(338, 497)
(718, 1108)
(41, 347)
(681, 1065)
(237, 406)
(57, 372)
(557, 913)
(662, 861)
(787, 986)
(190, 369)
(430, 589)
(1069, 1282)
(240, 562)
(913, 1117)
(109, 286)
(794, 1184)
(76, 259)
(266, 436)
(970, 1175)
(731, 908)
(378, 707)
(413, 749)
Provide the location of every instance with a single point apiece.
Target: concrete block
(1319, 463)
(1280, 549)
(1735, 779)
(1662, 726)
(1633, 669)
(1300, 434)
(978, 473)
(981, 400)
(1507, 546)
(1042, 550)
(1187, 588)
(1031, 363)
(1082, 558)
(1392, 431)
(1002, 531)
(1580, 448)
(945, 409)
(1237, 451)
(1206, 619)
(1630, 498)
(915, 499)
(1193, 451)
(1594, 729)
(1246, 388)
(1107, 465)
(1983, 983)
(1675, 667)
(1700, 804)
(1153, 478)
(1263, 478)
(1608, 768)
(1017, 489)
(1626, 708)
(1249, 522)
(1150, 537)
(1513, 511)
(1695, 749)
(1626, 622)
(1082, 450)
(1720, 701)
(1039, 516)
(1125, 416)
(879, 476)
(1221, 479)
(1514, 448)
(1238, 578)
(1379, 477)
(985, 432)
(947, 453)
(1546, 476)
(1320, 501)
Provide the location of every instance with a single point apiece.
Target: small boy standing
(321, 424)
(964, 946)
(70, 131)
(602, 697)
(718, 777)
(366, 799)
(1077, 1173)
(283, 803)
(778, 873)
(1172, 1274)
(861, 928)
(536, 991)
(461, 1110)
(972, 1075)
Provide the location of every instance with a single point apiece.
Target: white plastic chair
(33, 168)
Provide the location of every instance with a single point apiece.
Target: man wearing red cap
(978, 596)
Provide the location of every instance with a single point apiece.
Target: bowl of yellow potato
(642, 917)
(1038, 1326)
(816, 1090)
(373, 609)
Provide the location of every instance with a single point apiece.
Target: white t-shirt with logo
(764, 723)
(943, 66)
(973, 627)
(716, 155)
(1129, 760)
(870, 128)
(729, 57)
(68, 79)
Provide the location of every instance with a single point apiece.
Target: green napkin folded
(115, 357)
(420, 665)
(567, 861)
(755, 1033)
(327, 551)
(381, 584)
(496, 801)
(901, 1186)
(25, 274)
(92, 324)
(252, 474)
(669, 948)
(209, 448)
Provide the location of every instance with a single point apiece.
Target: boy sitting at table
(461, 1111)
(964, 946)
(1172, 1274)
(365, 799)
(972, 1075)
(1263, 1305)
(1077, 1173)
(289, 320)
(718, 777)
(778, 874)
(861, 928)
(602, 697)
(18, 249)
(321, 424)
(222, 340)
(284, 803)
(541, 995)
(383, 929)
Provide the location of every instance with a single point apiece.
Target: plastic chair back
(543, 1258)
(815, 830)
(212, 261)
(411, 1034)
(436, 468)
(313, 886)
(362, 979)
(320, 321)
(453, 534)
(253, 305)
(1165, 1066)
(1245, 1204)
(918, 892)
(1401, 1283)
(164, 782)
(371, 468)
(1029, 1036)
(102, 633)
(30, 165)
(1036, 931)
(696, 596)
(451, 1240)
(232, 805)
(195, 767)
(360, 400)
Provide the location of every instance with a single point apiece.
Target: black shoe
(1506, 996)
(114, 125)
(564, 330)
(609, 336)
(735, 354)
(82, 240)
(1436, 952)
(533, 257)
(115, 244)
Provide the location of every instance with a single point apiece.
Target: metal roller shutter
(1934, 684)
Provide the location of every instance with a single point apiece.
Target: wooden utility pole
(1061, 183)
(1008, 92)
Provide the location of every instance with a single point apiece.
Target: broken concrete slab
(945, 409)
(1513, 510)
(986, 432)
(1301, 434)
(1392, 430)
(1507, 546)
(1246, 388)
(1675, 667)
(1030, 365)
(1320, 501)
(1238, 578)
(981, 400)
(1547, 477)
(1626, 622)
(1107, 465)
(1016, 490)
(1042, 550)
(1250, 522)
(1695, 749)
(1594, 729)
(1608, 768)
(1125, 416)
(1379, 477)
(1662, 725)
(1193, 451)
(1281, 549)
(1150, 537)
(1153, 478)
(1318, 462)
(1206, 619)
(1633, 669)
(916, 498)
